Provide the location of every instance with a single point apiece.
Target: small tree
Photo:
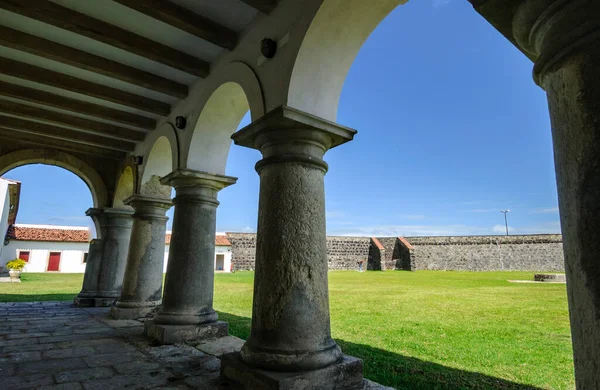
(16, 264)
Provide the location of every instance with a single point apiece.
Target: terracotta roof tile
(377, 243)
(219, 240)
(405, 243)
(22, 233)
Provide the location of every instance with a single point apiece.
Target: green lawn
(421, 330)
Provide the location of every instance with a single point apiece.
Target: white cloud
(441, 230)
(501, 229)
(549, 210)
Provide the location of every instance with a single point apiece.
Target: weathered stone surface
(550, 278)
(26, 381)
(84, 374)
(63, 386)
(187, 312)
(221, 346)
(345, 374)
(138, 381)
(172, 334)
(112, 358)
(142, 283)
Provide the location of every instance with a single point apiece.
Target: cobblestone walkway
(54, 345)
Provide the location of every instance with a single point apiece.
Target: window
(85, 256)
(24, 255)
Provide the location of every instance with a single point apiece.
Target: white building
(47, 248)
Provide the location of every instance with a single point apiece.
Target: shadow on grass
(36, 297)
(401, 372)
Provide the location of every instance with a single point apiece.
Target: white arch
(329, 48)
(158, 162)
(125, 187)
(63, 160)
(229, 96)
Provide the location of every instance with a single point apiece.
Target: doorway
(220, 265)
(54, 262)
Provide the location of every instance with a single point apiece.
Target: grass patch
(421, 330)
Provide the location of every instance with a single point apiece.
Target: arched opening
(46, 225)
(60, 159)
(219, 119)
(159, 163)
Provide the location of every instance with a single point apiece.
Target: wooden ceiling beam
(101, 128)
(57, 101)
(67, 55)
(9, 136)
(183, 19)
(82, 24)
(25, 71)
(22, 125)
(264, 6)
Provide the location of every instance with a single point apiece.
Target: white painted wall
(71, 259)
(219, 250)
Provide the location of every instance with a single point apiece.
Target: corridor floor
(54, 345)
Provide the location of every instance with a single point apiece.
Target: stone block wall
(243, 250)
(541, 252)
(344, 253)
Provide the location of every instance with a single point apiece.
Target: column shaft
(189, 284)
(142, 283)
(290, 312)
(564, 37)
(107, 257)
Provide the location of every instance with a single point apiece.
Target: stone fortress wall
(539, 252)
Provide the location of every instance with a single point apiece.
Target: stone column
(290, 340)
(187, 310)
(564, 38)
(107, 257)
(142, 284)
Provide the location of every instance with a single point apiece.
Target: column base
(131, 313)
(172, 334)
(93, 302)
(344, 374)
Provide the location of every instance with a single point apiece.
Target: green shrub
(16, 264)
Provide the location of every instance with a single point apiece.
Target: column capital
(192, 178)
(553, 30)
(289, 135)
(149, 206)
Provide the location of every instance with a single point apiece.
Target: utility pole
(505, 219)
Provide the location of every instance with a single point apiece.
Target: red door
(54, 261)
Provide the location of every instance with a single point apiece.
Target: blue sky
(452, 129)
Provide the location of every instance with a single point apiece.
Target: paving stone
(208, 381)
(76, 337)
(84, 374)
(112, 358)
(25, 335)
(30, 347)
(63, 386)
(119, 382)
(26, 381)
(68, 352)
(8, 343)
(52, 365)
(136, 366)
(120, 347)
(6, 369)
(222, 345)
(27, 356)
(119, 323)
